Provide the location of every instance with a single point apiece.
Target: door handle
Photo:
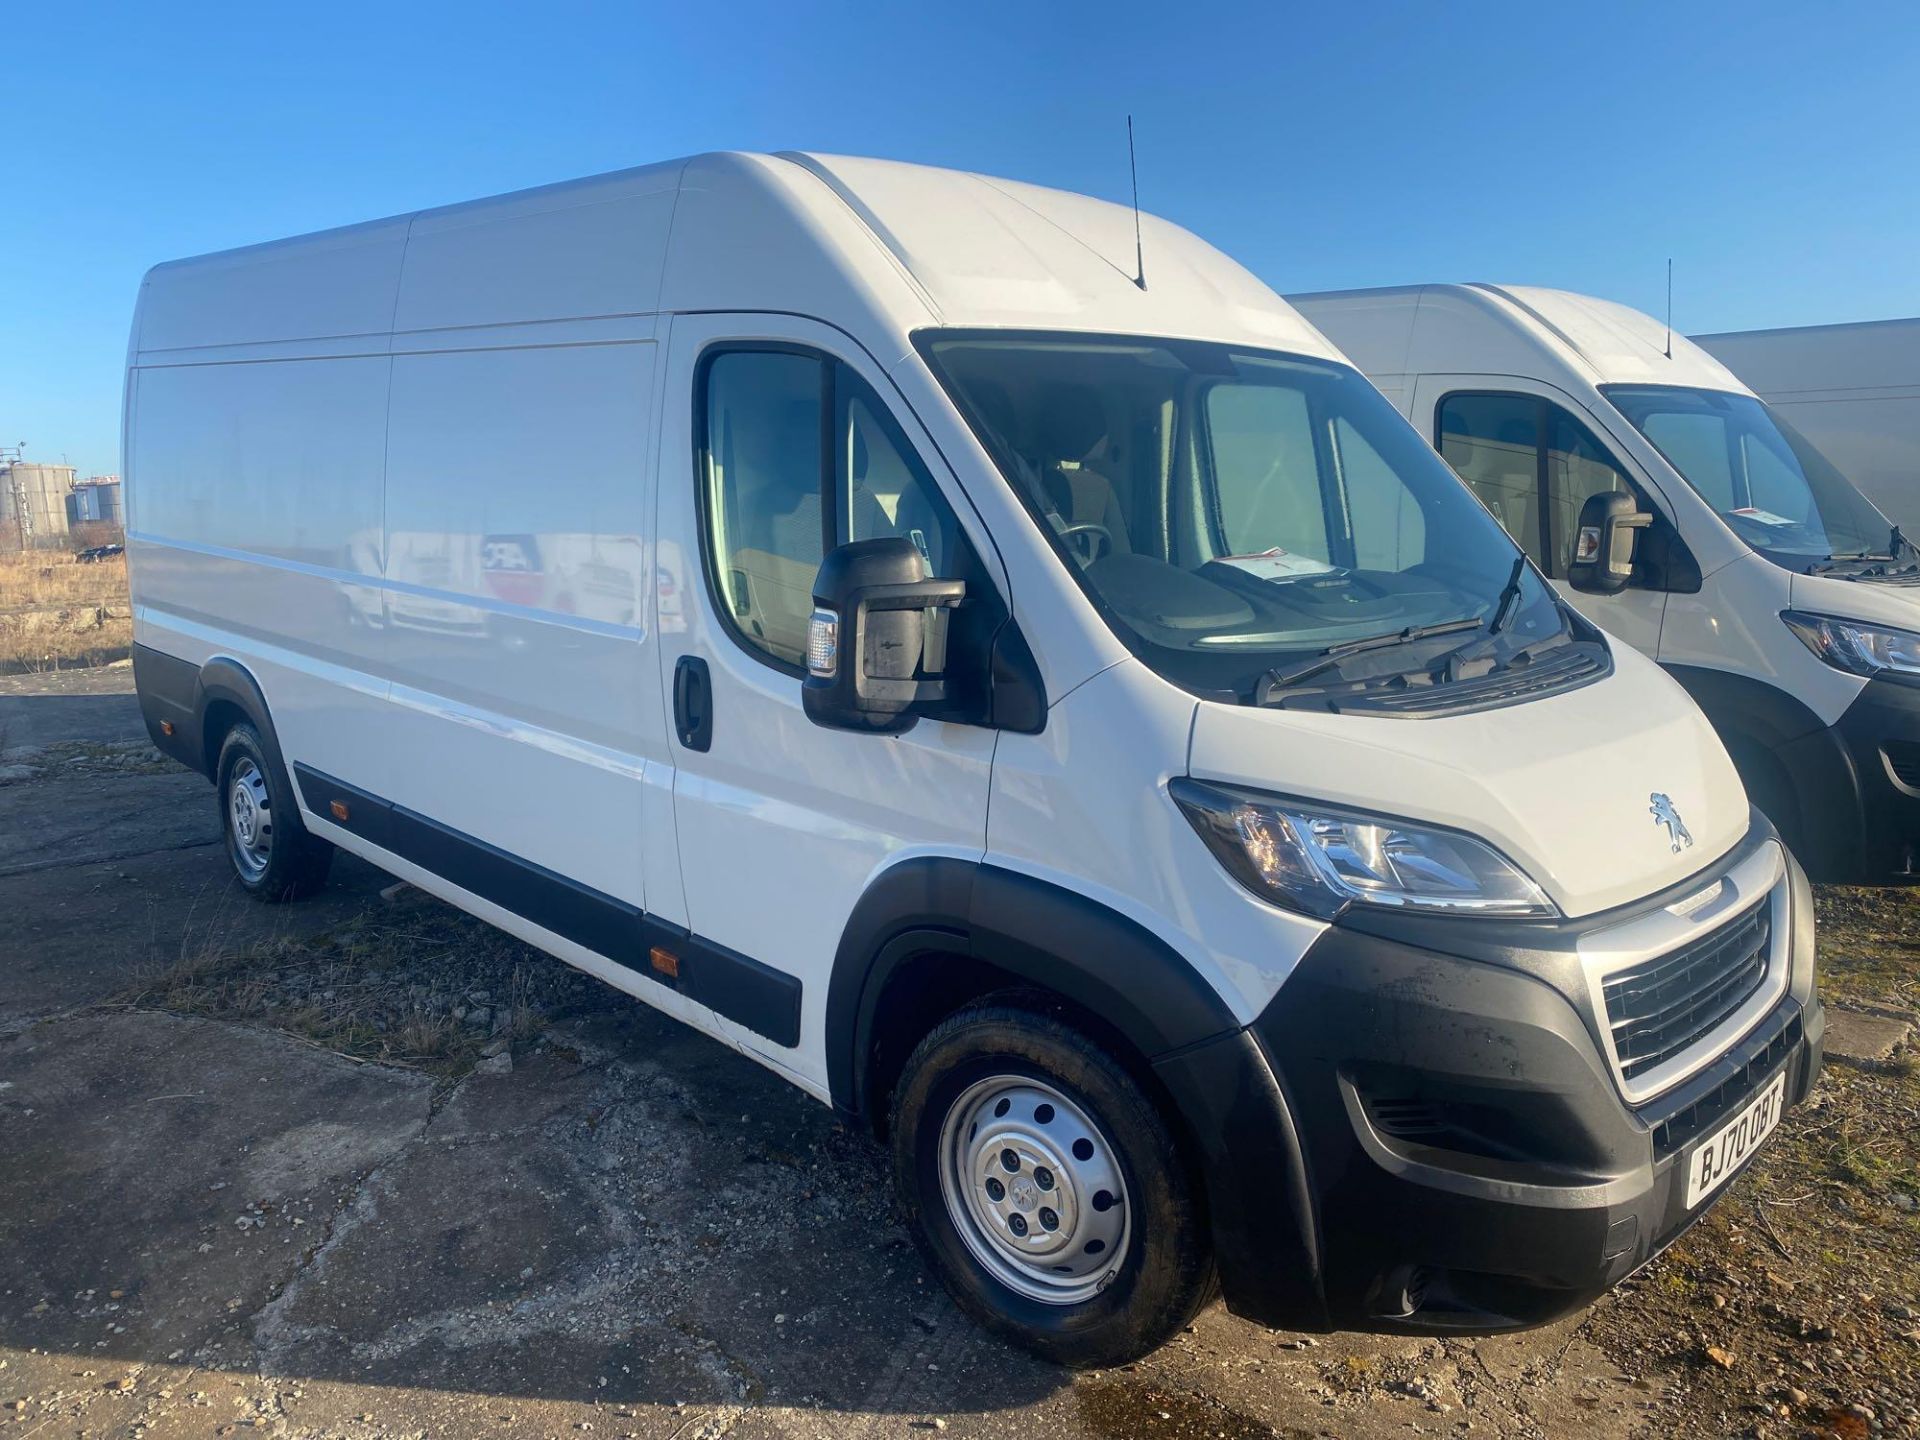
(693, 703)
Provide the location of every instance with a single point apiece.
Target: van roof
(1510, 329)
(878, 247)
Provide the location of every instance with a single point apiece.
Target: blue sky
(1769, 149)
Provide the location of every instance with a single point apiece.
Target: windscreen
(1233, 510)
(1775, 490)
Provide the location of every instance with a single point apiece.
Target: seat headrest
(1071, 421)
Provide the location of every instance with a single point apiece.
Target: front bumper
(1423, 1132)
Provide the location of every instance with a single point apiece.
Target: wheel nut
(1018, 1224)
(1048, 1220)
(996, 1192)
(1043, 1177)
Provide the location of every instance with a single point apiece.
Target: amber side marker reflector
(166, 727)
(666, 962)
(339, 808)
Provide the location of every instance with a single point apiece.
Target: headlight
(1855, 646)
(1319, 860)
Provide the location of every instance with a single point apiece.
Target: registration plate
(1723, 1152)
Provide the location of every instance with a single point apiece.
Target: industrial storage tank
(95, 500)
(33, 503)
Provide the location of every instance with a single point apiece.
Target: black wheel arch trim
(1782, 747)
(1030, 930)
(177, 692)
(1747, 706)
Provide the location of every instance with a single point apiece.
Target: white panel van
(1738, 557)
(1056, 713)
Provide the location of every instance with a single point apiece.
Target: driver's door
(1532, 456)
(779, 439)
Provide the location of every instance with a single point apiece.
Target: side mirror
(1602, 561)
(877, 642)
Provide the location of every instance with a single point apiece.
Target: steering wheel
(1088, 542)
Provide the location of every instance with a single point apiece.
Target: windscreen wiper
(1896, 542)
(1509, 597)
(1880, 564)
(1283, 676)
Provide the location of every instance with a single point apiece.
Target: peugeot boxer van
(1682, 514)
(863, 611)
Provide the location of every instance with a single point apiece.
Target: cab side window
(1532, 464)
(1493, 443)
(881, 486)
(763, 456)
(798, 455)
(1578, 466)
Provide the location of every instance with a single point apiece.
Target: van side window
(763, 512)
(799, 455)
(1578, 466)
(881, 487)
(1532, 464)
(1493, 443)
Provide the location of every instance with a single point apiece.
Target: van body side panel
(523, 709)
(259, 538)
(516, 601)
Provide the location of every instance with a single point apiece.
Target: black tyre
(1047, 1189)
(272, 853)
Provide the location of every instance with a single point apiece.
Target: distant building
(33, 503)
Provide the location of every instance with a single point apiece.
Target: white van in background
(1728, 548)
(849, 607)
(1852, 390)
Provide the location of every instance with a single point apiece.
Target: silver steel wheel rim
(1035, 1189)
(249, 819)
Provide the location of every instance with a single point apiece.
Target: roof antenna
(1669, 307)
(1139, 255)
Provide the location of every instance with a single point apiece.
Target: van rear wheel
(1047, 1189)
(273, 855)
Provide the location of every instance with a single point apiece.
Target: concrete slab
(164, 1177)
(1860, 1036)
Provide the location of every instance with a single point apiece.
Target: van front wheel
(1046, 1188)
(273, 855)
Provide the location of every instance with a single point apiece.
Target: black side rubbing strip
(764, 1000)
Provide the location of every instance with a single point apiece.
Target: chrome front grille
(1659, 1009)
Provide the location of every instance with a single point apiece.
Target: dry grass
(57, 614)
(1869, 944)
(38, 579)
